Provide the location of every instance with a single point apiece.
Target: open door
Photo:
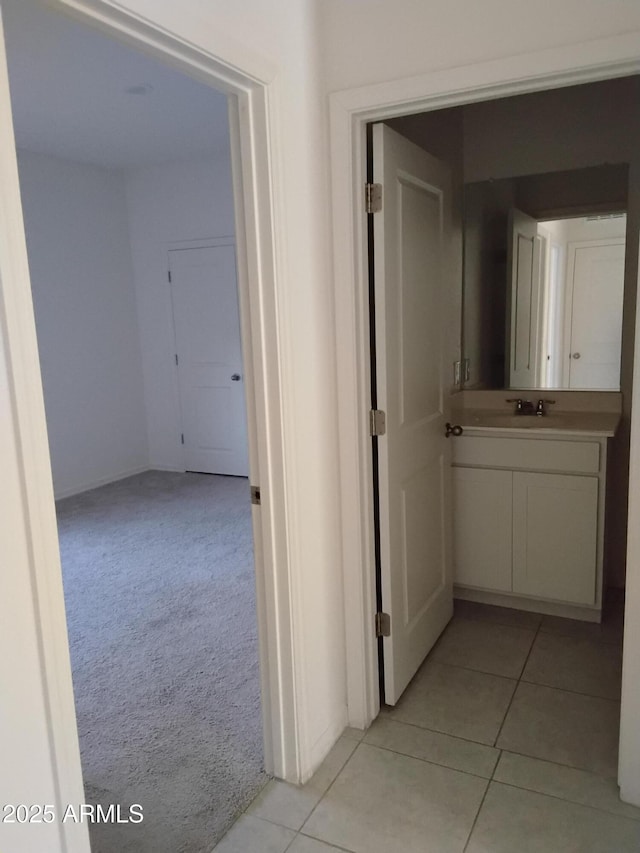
(525, 270)
(412, 271)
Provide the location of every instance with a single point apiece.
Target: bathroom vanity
(529, 506)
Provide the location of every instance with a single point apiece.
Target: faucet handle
(541, 404)
(517, 400)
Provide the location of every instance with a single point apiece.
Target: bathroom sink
(591, 422)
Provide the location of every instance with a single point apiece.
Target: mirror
(544, 280)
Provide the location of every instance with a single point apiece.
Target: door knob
(575, 355)
(452, 430)
(235, 377)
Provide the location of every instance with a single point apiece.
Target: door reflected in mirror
(565, 285)
(543, 294)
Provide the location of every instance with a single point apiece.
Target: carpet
(160, 595)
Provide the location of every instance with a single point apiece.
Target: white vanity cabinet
(528, 520)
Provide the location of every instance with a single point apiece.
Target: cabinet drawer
(532, 454)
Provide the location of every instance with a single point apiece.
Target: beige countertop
(582, 423)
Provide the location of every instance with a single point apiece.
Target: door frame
(254, 129)
(350, 111)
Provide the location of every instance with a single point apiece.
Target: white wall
(371, 41)
(176, 201)
(82, 282)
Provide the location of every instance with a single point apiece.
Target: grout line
(524, 665)
(566, 800)
(558, 764)
(475, 820)
(329, 844)
(568, 690)
(471, 669)
(435, 763)
(434, 731)
(329, 787)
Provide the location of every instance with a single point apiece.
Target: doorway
(256, 276)
(624, 430)
(157, 564)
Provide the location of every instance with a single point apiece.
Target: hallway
(505, 740)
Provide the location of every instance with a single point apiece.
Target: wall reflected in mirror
(544, 280)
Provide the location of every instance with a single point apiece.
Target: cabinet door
(555, 522)
(482, 528)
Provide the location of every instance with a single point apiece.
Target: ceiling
(69, 93)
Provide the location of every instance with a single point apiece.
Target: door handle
(576, 355)
(235, 377)
(456, 429)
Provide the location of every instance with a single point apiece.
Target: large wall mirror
(543, 287)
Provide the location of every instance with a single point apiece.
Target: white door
(412, 271)
(525, 268)
(595, 293)
(209, 359)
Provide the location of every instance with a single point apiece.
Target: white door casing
(525, 269)
(411, 260)
(209, 359)
(595, 290)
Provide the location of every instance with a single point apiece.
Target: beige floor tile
(291, 805)
(433, 746)
(498, 615)
(516, 821)
(485, 646)
(252, 835)
(304, 844)
(575, 663)
(382, 802)
(577, 786)
(456, 701)
(568, 728)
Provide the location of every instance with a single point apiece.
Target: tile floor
(506, 740)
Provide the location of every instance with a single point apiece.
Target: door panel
(412, 268)
(207, 328)
(482, 528)
(555, 523)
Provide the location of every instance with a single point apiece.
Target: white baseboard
(102, 481)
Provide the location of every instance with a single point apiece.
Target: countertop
(597, 424)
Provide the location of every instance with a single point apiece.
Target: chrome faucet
(540, 407)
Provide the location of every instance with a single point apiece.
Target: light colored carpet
(159, 585)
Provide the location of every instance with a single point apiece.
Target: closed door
(209, 359)
(596, 288)
(412, 283)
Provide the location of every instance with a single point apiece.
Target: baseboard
(171, 468)
(102, 481)
(533, 605)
